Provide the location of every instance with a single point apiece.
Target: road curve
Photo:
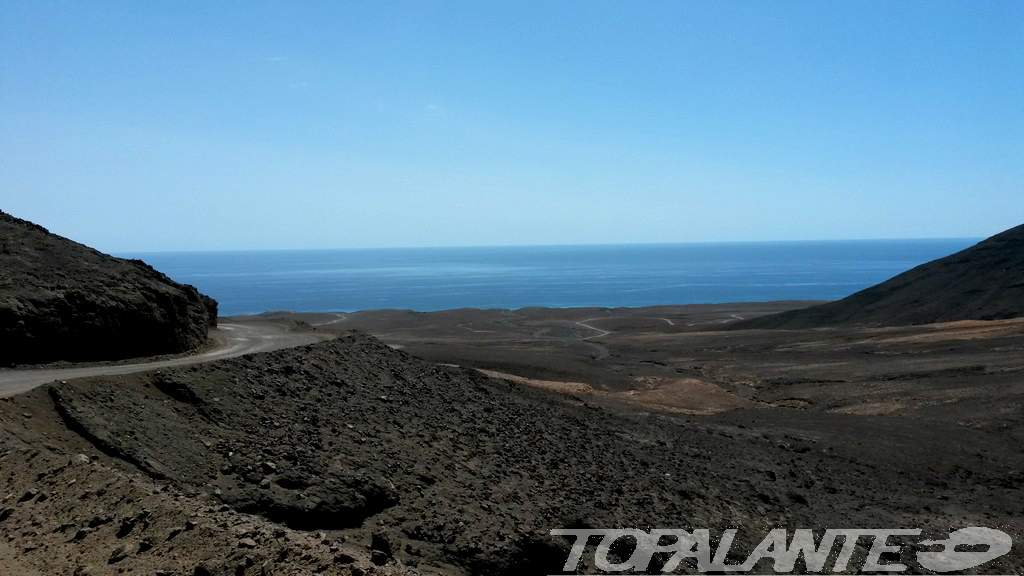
(235, 339)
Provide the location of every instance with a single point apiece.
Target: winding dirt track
(234, 339)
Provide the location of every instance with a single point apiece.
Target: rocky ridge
(983, 282)
(61, 300)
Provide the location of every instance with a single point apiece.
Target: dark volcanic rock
(60, 300)
(446, 465)
(983, 282)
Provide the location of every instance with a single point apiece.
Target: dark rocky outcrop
(60, 300)
(983, 282)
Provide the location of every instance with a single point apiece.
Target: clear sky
(134, 126)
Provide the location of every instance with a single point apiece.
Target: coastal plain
(684, 359)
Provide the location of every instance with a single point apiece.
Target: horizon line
(547, 245)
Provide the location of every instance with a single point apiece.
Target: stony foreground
(348, 456)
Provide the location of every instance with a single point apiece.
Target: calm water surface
(428, 279)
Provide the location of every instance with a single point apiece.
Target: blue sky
(225, 125)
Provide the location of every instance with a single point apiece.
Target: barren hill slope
(61, 300)
(351, 436)
(983, 282)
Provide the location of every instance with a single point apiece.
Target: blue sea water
(428, 279)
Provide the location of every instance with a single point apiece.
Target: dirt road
(235, 339)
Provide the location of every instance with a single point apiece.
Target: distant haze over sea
(427, 279)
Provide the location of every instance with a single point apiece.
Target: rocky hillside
(984, 282)
(60, 300)
(441, 468)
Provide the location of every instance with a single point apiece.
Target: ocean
(427, 279)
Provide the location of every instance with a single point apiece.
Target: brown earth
(607, 418)
(969, 372)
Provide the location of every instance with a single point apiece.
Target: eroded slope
(350, 435)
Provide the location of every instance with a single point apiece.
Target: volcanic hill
(983, 282)
(61, 300)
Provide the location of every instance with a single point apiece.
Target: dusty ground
(67, 508)
(676, 358)
(647, 417)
